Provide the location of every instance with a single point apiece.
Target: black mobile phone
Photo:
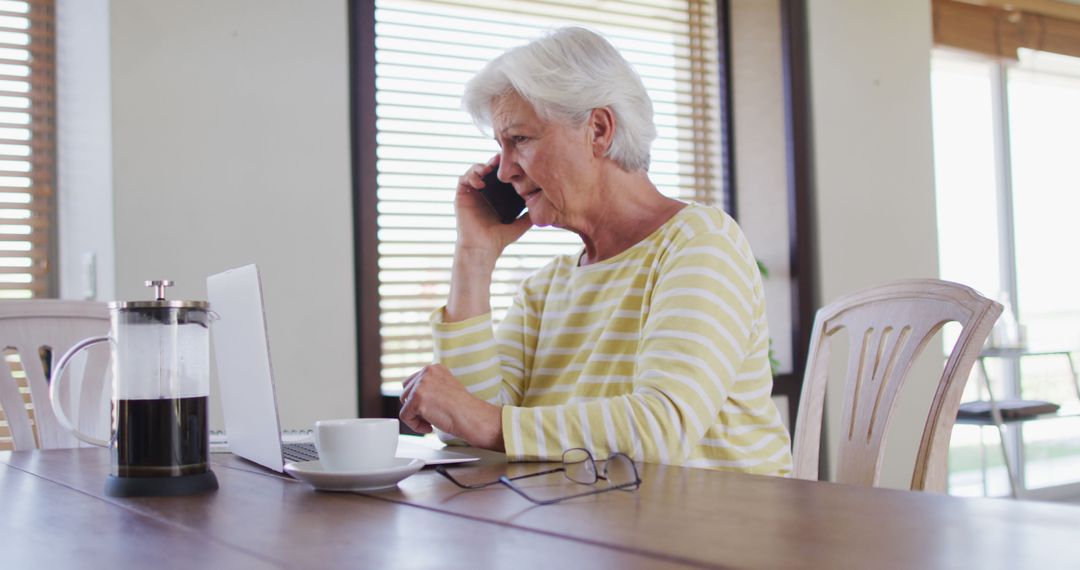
(502, 197)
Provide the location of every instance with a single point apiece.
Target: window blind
(27, 147)
(425, 51)
(27, 150)
(1000, 28)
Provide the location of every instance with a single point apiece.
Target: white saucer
(312, 472)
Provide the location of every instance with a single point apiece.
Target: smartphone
(502, 197)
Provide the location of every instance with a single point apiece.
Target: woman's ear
(601, 130)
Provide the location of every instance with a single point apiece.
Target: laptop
(246, 379)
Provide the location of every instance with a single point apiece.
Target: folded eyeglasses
(578, 465)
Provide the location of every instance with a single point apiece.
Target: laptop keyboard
(295, 452)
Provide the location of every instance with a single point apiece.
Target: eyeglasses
(578, 465)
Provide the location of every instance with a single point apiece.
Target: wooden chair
(40, 331)
(888, 327)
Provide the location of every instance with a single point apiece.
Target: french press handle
(54, 390)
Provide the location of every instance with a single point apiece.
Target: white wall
(84, 153)
(761, 154)
(875, 216)
(231, 146)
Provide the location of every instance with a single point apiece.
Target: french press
(160, 390)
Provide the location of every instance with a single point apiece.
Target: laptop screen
(245, 374)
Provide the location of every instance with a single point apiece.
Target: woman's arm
(462, 395)
(481, 239)
(491, 366)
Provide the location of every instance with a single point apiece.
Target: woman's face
(549, 163)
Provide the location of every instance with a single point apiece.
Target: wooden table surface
(53, 512)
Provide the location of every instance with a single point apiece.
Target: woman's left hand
(433, 397)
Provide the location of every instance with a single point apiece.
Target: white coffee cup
(356, 445)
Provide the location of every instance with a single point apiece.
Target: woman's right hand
(481, 239)
(478, 227)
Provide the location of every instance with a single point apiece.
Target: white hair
(564, 76)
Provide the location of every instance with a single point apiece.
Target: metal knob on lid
(159, 288)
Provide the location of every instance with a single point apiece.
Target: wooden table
(53, 514)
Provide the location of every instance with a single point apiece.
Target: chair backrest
(35, 328)
(888, 328)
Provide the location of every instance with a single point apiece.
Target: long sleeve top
(660, 352)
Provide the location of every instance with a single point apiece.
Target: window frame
(1004, 191)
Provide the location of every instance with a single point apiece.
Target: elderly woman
(650, 341)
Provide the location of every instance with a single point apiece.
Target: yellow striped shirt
(660, 352)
